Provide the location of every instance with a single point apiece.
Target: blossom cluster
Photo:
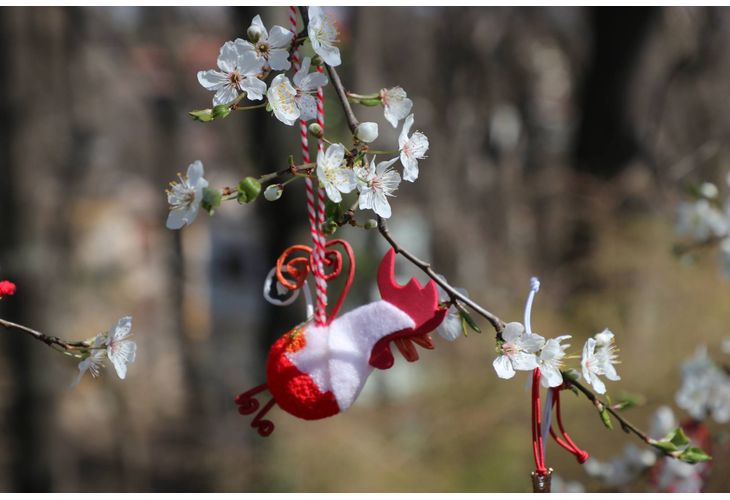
(520, 349)
(705, 220)
(244, 67)
(113, 345)
(705, 388)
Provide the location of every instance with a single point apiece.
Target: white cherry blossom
(701, 220)
(551, 361)
(238, 72)
(599, 356)
(450, 327)
(396, 104)
(376, 183)
(334, 176)
(412, 149)
(94, 361)
(520, 345)
(518, 350)
(293, 102)
(121, 351)
(323, 36)
(270, 49)
(186, 196)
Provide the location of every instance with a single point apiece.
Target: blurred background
(561, 142)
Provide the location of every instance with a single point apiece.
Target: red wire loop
(298, 267)
(566, 442)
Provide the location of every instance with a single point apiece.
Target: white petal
(331, 55)
(126, 352)
(249, 64)
(410, 168)
(280, 38)
(503, 367)
(531, 342)
(524, 361)
(332, 192)
(597, 384)
(313, 81)
(450, 328)
(366, 199)
(212, 79)
(122, 328)
(257, 22)
(228, 57)
(550, 376)
(279, 60)
(176, 219)
(255, 88)
(381, 205)
(418, 145)
(512, 331)
(335, 155)
(307, 107)
(403, 138)
(195, 172)
(225, 95)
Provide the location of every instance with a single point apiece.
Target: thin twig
(46, 339)
(625, 424)
(352, 121)
(424, 266)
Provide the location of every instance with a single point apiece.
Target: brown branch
(352, 121)
(46, 339)
(424, 266)
(625, 424)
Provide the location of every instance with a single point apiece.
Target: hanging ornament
(317, 371)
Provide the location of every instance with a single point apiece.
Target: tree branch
(424, 266)
(625, 424)
(46, 339)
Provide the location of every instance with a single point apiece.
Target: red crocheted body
(294, 391)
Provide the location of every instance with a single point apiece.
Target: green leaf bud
(248, 190)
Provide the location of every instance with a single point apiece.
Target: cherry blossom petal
(212, 79)
(225, 95)
(503, 366)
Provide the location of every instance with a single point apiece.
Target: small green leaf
(678, 438)
(202, 115)
(464, 328)
(211, 200)
(693, 455)
(221, 111)
(466, 317)
(665, 446)
(248, 190)
(605, 417)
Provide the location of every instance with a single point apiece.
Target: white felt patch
(337, 359)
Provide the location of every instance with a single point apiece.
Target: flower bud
(248, 190)
(367, 131)
(708, 190)
(370, 224)
(273, 192)
(221, 111)
(254, 33)
(315, 130)
(316, 61)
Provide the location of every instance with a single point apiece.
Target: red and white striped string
(316, 217)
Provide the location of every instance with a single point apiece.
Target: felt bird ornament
(317, 371)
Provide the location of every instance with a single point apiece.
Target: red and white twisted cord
(318, 238)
